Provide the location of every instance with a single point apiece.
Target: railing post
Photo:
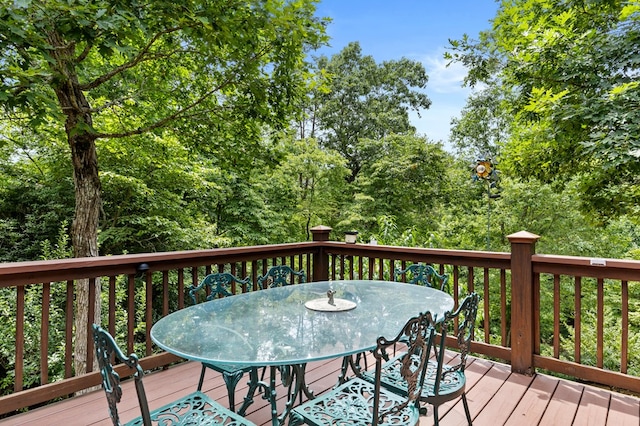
(522, 302)
(320, 258)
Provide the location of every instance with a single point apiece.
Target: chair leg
(435, 416)
(466, 408)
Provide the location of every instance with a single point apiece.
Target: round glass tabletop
(273, 326)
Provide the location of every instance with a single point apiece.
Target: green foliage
(398, 170)
(365, 100)
(309, 184)
(566, 76)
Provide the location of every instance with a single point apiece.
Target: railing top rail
(445, 256)
(31, 272)
(587, 266)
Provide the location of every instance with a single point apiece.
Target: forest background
(231, 132)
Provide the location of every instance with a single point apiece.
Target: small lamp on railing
(350, 237)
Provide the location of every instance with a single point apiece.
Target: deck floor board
(496, 397)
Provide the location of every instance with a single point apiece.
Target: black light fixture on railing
(141, 269)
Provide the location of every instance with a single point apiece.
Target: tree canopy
(364, 100)
(567, 75)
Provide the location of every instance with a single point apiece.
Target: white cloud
(443, 78)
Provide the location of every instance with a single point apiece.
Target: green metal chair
(360, 402)
(422, 274)
(443, 382)
(219, 285)
(193, 409)
(417, 273)
(280, 275)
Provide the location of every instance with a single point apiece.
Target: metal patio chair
(422, 274)
(360, 402)
(194, 409)
(220, 285)
(280, 275)
(443, 382)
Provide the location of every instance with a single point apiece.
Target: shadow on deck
(496, 397)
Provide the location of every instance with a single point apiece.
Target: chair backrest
(465, 327)
(108, 352)
(280, 275)
(418, 333)
(218, 284)
(422, 274)
(461, 322)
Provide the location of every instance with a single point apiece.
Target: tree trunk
(84, 236)
(81, 138)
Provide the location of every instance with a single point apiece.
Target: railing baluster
(600, 324)
(111, 325)
(181, 288)
(503, 308)
(44, 333)
(577, 321)
(91, 314)
(68, 331)
(624, 336)
(556, 316)
(165, 293)
(19, 368)
(456, 284)
(148, 314)
(487, 304)
(131, 312)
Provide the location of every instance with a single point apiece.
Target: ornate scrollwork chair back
(448, 381)
(106, 351)
(422, 274)
(194, 409)
(466, 322)
(280, 275)
(218, 285)
(361, 402)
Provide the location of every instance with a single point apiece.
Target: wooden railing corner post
(522, 302)
(320, 257)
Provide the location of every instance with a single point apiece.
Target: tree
(570, 72)
(364, 100)
(402, 183)
(312, 182)
(107, 70)
(482, 128)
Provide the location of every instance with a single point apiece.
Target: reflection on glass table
(274, 328)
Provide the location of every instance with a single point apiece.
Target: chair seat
(351, 404)
(452, 381)
(194, 409)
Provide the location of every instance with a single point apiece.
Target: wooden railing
(533, 310)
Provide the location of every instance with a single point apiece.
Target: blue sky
(418, 30)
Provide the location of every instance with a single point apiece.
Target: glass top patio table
(273, 327)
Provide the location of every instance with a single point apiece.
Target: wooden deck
(496, 397)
